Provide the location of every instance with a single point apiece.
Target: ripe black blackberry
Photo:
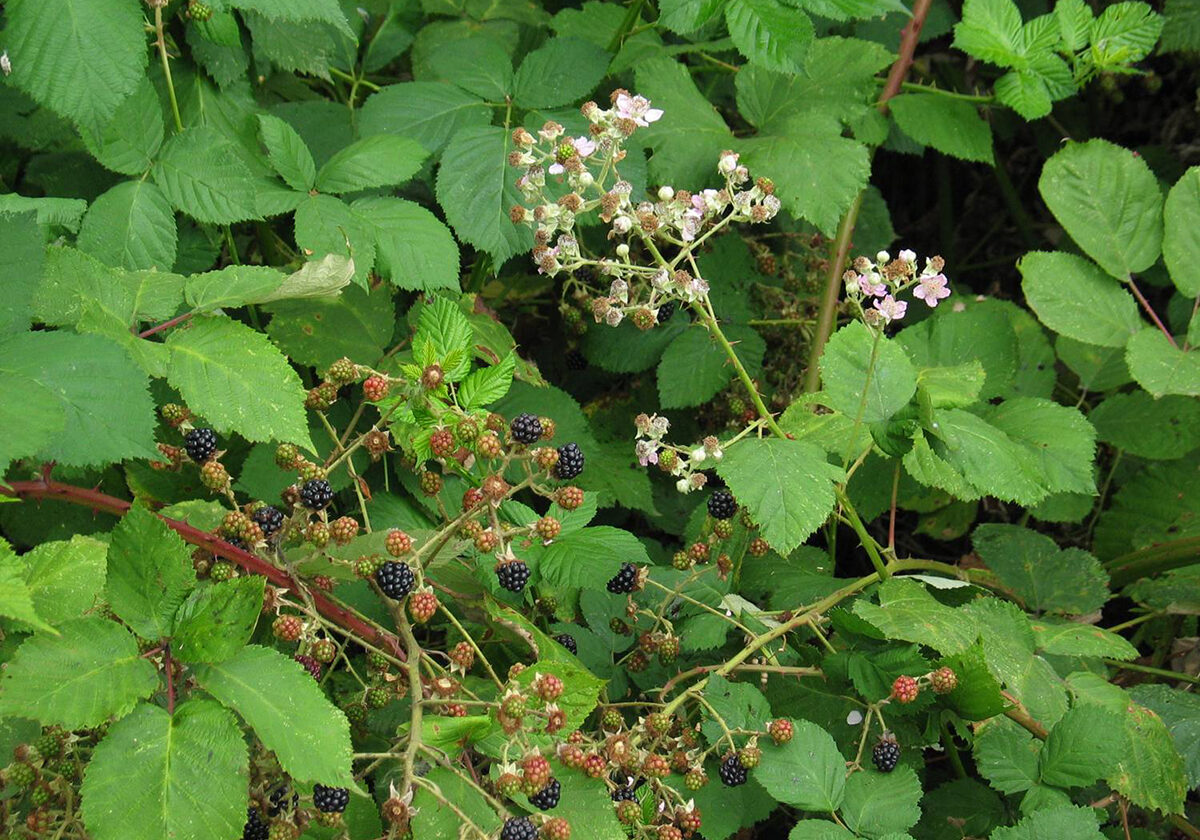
(886, 754)
(330, 800)
(269, 518)
(547, 797)
(567, 641)
(316, 494)
(665, 312)
(625, 794)
(570, 461)
(513, 575)
(200, 444)
(624, 581)
(518, 828)
(526, 428)
(395, 579)
(255, 828)
(732, 772)
(576, 360)
(277, 799)
(721, 505)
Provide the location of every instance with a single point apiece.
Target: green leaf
(882, 803)
(1070, 296)
(31, 417)
(129, 141)
(1124, 33)
(1007, 756)
(959, 808)
(375, 161)
(22, 255)
(429, 112)
(907, 611)
(318, 332)
(1081, 748)
(1046, 578)
(287, 710)
(952, 387)
(414, 249)
(691, 134)
(866, 376)
(66, 212)
(1071, 639)
(984, 331)
(149, 573)
(477, 188)
(323, 278)
(486, 385)
(1059, 823)
(131, 226)
(1181, 233)
(105, 402)
(434, 819)
(16, 601)
(985, 457)
(288, 153)
(740, 705)
(1058, 441)
(807, 771)
(951, 126)
(769, 34)
(588, 558)
(327, 225)
(560, 72)
(1180, 713)
(1150, 771)
(1161, 367)
(203, 176)
(299, 11)
(1164, 428)
(686, 16)
(1074, 19)
(818, 830)
(79, 58)
(990, 30)
(978, 695)
(1109, 202)
(64, 578)
(587, 806)
(817, 172)
(694, 368)
(446, 329)
(218, 620)
(786, 485)
(479, 64)
(238, 380)
(155, 775)
(232, 286)
(92, 671)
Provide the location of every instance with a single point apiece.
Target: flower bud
(665, 193)
(623, 250)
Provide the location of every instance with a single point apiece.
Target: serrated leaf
(686, 16)
(818, 830)
(590, 557)
(78, 679)
(287, 710)
(1164, 428)
(476, 187)
(413, 248)
(217, 620)
(202, 175)
(79, 58)
(882, 803)
(64, 578)
(1046, 578)
(145, 777)
(1056, 823)
(1007, 756)
(149, 573)
(323, 278)
(740, 705)
(560, 72)
(1149, 769)
(1109, 202)
(327, 225)
(1180, 712)
(486, 385)
(691, 134)
(446, 329)
(769, 34)
(324, 11)
(808, 771)
(1181, 233)
(1161, 367)
(319, 331)
(16, 601)
(232, 286)
(1124, 33)
(1081, 747)
(865, 375)
(108, 415)
(787, 486)
(288, 153)
(478, 64)
(429, 112)
(694, 368)
(238, 380)
(951, 126)
(993, 463)
(1070, 639)
(1058, 441)
(131, 226)
(22, 255)
(1073, 298)
(66, 212)
(990, 30)
(375, 161)
(434, 818)
(907, 611)
(31, 416)
(129, 141)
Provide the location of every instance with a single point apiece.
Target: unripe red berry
(317, 534)
(375, 388)
(669, 832)
(571, 755)
(594, 765)
(398, 543)
(548, 687)
(758, 547)
(780, 730)
(214, 476)
(431, 483)
(943, 680)
(556, 828)
(473, 497)
(422, 605)
(488, 445)
(324, 650)
(343, 529)
(508, 785)
(698, 551)
(905, 689)
(441, 442)
(569, 498)
(655, 766)
(323, 582)
(463, 655)
(535, 770)
(288, 628)
(486, 541)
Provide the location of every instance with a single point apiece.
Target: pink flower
(637, 108)
(647, 452)
(931, 289)
(583, 145)
(891, 309)
(869, 288)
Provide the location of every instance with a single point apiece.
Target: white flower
(584, 146)
(637, 108)
(614, 316)
(698, 455)
(728, 163)
(908, 256)
(622, 225)
(682, 485)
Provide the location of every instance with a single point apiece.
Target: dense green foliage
(524, 419)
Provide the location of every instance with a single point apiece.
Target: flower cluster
(682, 463)
(672, 220)
(884, 279)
